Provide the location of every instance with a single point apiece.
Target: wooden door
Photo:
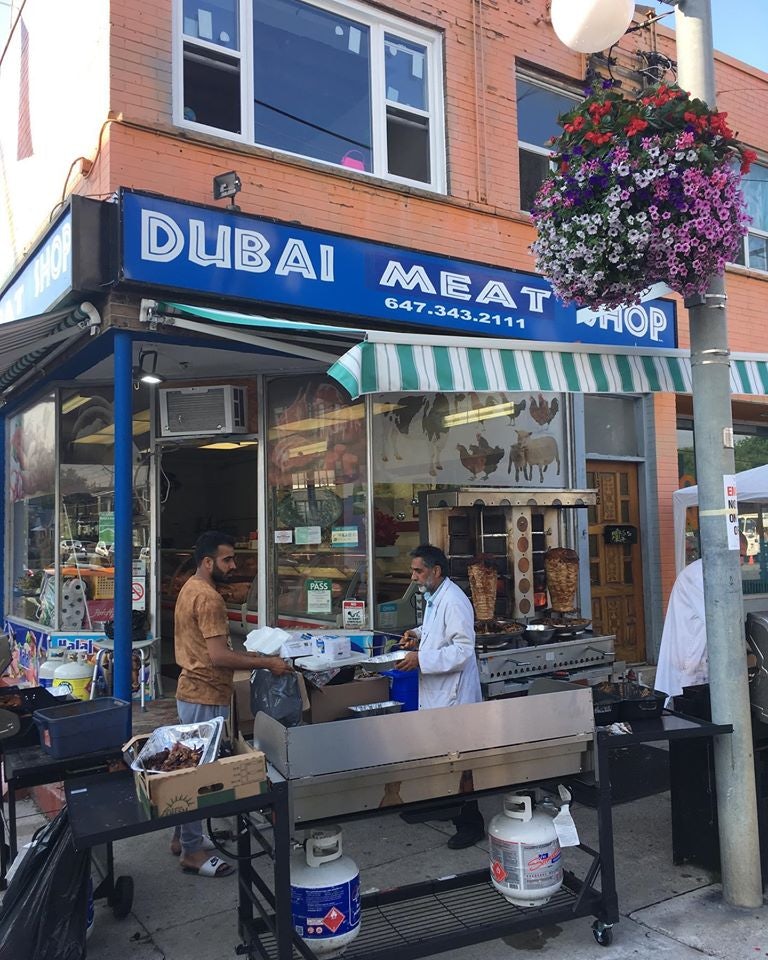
(615, 570)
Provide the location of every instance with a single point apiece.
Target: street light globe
(591, 25)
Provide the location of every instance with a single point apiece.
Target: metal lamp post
(713, 435)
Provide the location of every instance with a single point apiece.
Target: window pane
(758, 251)
(312, 83)
(408, 145)
(31, 461)
(212, 20)
(533, 168)
(609, 426)
(537, 112)
(406, 72)
(317, 509)
(755, 187)
(211, 89)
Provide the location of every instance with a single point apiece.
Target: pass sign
(318, 594)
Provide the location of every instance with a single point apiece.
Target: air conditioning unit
(194, 411)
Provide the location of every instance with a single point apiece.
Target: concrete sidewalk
(672, 912)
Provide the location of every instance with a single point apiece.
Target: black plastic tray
(637, 702)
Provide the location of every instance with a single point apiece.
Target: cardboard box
(331, 702)
(232, 778)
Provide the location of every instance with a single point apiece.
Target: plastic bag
(278, 697)
(45, 908)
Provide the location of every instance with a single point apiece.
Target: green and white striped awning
(390, 363)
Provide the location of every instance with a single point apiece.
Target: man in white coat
(442, 649)
(683, 660)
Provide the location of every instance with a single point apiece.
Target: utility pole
(713, 436)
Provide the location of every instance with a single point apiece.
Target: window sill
(743, 271)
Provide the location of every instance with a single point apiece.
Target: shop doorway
(615, 566)
(207, 484)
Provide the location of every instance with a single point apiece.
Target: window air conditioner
(192, 411)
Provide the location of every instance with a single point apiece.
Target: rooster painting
(480, 458)
(542, 412)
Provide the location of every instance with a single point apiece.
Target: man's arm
(222, 656)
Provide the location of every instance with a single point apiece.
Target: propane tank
(526, 865)
(325, 893)
(75, 677)
(48, 668)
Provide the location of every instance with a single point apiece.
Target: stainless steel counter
(362, 764)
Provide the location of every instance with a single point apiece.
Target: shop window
(610, 427)
(31, 462)
(86, 511)
(378, 108)
(317, 503)
(754, 253)
(538, 107)
(436, 443)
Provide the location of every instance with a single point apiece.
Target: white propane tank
(325, 894)
(75, 677)
(526, 864)
(48, 669)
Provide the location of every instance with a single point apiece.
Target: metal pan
(384, 661)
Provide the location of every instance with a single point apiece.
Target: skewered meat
(562, 568)
(482, 586)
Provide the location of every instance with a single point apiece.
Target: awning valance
(386, 364)
(24, 343)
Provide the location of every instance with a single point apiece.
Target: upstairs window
(538, 108)
(754, 253)
(331, 81)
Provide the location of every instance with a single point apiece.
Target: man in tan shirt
(204, 653)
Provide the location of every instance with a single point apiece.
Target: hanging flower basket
(644, 191)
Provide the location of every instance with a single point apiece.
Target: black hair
(209, 542)
(432, 556)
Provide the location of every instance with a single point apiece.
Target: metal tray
(376, 709)
(318, 664)
(384, 661)
(206, 734)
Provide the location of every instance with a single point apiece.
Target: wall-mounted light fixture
(147, 369)
(227, 185)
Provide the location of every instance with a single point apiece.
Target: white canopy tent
(751, 487)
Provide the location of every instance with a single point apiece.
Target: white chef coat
(447, 665)
(683, 660)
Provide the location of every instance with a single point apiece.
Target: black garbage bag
(138, 627)
(279, 697)
(44, 911)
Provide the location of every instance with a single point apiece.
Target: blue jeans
(191, 834)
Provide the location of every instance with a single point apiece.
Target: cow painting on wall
(471, 439)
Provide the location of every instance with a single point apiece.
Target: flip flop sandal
(213, 867)
(207, 844)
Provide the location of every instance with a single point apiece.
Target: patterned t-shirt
(200, 613)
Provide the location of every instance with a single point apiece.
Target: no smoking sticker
(138, 594)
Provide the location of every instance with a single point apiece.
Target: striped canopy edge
(399, 367)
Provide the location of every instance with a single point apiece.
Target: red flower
(718, 125)
(576, 124)
(635, 125)
(748, 157)
(597, 138)
(598, 110)
(697, 122)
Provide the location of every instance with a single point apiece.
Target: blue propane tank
(325, 893)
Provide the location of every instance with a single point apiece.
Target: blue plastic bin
(86, 726)
(404, 686)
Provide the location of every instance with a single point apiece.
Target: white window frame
(379, 23)
(550, 88)
(753, 230)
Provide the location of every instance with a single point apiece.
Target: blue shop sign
(45, 277)
(184, 247)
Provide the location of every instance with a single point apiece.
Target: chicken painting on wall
(543, 411)
(480, 459)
